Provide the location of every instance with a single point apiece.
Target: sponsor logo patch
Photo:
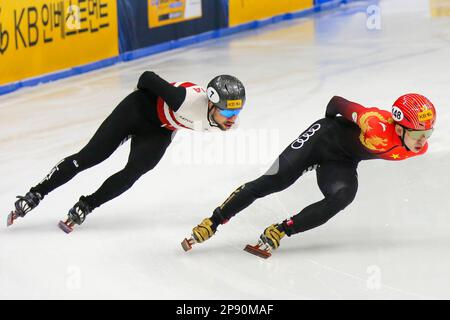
(425, 115)
(298, 143)
(234, 104)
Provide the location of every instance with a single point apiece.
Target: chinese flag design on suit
(378, 135)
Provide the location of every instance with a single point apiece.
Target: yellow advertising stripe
(440, 8)
(243, 11)
(44, 36)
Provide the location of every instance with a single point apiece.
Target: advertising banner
(43, 36)
(440, 8)
(243, 11)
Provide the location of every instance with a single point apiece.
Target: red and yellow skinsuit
(377, 137)
(333, 146)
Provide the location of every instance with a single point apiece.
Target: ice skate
(23, 205)
(76, 216)
(200, 233)
(268, 241)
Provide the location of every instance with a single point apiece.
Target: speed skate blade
(10, 220)
(255, 250)
(187, 244)
(64, 227)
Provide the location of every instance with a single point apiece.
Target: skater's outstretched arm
(372, 121)
(152, 83)
(344, 107)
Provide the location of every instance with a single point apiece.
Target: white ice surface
(392, 242)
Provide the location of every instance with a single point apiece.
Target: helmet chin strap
(211, 120)
(403, 139)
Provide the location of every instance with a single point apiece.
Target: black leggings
(132, 118)
(314, 149)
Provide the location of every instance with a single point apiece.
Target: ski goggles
(229, 113)
(418, 134)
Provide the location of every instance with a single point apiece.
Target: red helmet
(414, 111)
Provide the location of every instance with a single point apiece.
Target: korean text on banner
(44, 36)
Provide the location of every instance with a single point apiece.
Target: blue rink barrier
(136, 53)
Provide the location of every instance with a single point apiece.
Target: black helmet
(226, 92)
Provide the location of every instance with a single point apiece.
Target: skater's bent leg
(112, 132)
(320, 212)
(279, 177)
(69, 167)
(146, 152)
(300, 156)
(61, 173)
(339, 184)
(114, 186)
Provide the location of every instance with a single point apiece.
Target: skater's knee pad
(252, 188)
(341, 198)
